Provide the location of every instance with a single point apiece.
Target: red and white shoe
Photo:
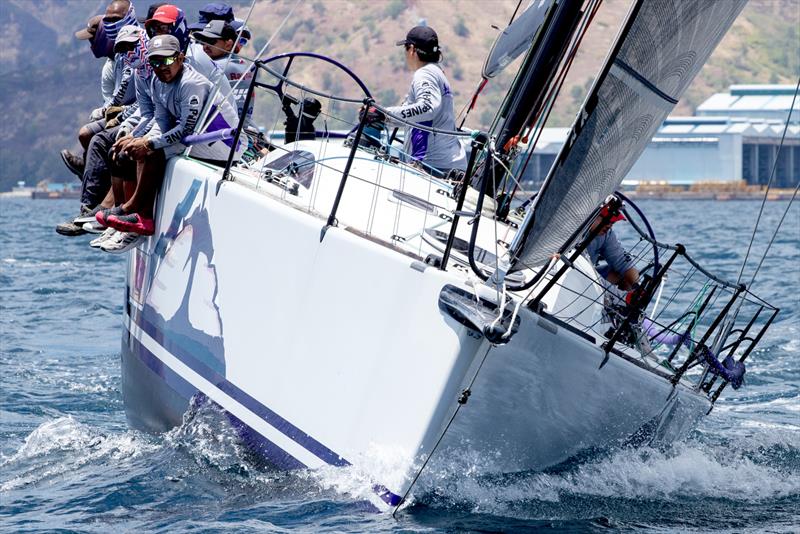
(132, 222)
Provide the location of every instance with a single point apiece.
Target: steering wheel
(283, 77)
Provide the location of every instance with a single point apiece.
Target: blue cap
(237, 24)
(213, 11)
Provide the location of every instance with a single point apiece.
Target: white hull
(334, 351)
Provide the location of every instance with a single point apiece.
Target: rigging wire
(555, 90)
(206, 116)
(462, 400)
(766, 191)
(470, 105)
(775, 234)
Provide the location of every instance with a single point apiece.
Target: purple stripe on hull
(272, 452)
(275, 420)
(259, 443)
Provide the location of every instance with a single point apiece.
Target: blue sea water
(69, 462)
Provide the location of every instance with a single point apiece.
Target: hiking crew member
(101, 31)
(219, 39)
(619, 268)
(178, 94)
(429, 102)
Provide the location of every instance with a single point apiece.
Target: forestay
(659, 50)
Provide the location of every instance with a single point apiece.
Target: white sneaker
(105, 236)
(93, 227)
(122, 242)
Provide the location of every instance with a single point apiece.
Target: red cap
(614, 218)
(167, 14)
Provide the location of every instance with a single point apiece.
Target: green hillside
(50, 81)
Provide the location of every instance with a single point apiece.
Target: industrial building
(734, 136)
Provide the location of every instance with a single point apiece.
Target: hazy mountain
(49, 80)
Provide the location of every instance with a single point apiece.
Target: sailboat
(345, 307)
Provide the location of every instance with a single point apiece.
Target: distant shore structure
(45, 189)
(732, 141)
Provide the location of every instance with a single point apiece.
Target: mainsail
(659, 50)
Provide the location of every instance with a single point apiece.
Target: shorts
(123, 168)
(96, 126)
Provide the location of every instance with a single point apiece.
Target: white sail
(659, 51)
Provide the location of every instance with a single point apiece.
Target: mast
(526, 97)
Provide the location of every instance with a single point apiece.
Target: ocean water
(69, 462)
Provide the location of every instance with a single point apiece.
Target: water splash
(63, 445)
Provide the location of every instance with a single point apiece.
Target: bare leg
(118, 190)
(108, 201)
(149, 174)
(85, 136)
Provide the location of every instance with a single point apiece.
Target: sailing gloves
(373, 114)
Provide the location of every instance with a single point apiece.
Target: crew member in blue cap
(213, 11)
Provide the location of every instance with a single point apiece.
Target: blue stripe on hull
(265, 448)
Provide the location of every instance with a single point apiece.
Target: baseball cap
(614, 218)
(237, 24)
(216, 29)
(163, 45)
(151, 10)
(167, 14)
(213, 11)
(128, 34)
(91, 28)
(423, 38)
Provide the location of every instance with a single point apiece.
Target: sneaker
(132, 222)
(93, 227)
(89, 215)
(105, 236)
(69, 228)
(121, 242)
(102, 215)
(74, 163)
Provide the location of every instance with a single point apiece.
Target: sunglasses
(158, 28)
(158, 62)
(123, 48)
(112, 19)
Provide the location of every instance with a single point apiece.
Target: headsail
(516, 38)
(659, 50)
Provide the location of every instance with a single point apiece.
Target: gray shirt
(429, 102)
(124, 92)
(177, 106)
(607, 247)
(107, 80)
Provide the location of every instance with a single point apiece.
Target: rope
(766, 192)
(461, 402)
